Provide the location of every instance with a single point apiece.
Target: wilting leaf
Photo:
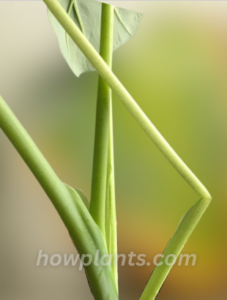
(87, 16)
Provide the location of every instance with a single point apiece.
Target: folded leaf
(87, 16)
(74, 192)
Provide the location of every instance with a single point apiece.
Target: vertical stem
(102, 206)
(111, 226)
(99, 176)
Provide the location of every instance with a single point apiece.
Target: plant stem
(192, 217)
(102, 205)
(83, 230)
(111, 224)
(106, 73)
(174, 248)
(98, 190)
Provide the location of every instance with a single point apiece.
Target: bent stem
(102, 205)
(194, 214)
(174, 247)
(106, 73)
(84, 232)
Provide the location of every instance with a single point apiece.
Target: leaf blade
(86, 14)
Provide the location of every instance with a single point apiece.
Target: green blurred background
(176, 69)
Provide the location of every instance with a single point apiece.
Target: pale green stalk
(83, 230)
(106, 73)
(192, 217)
(111, 224)
(174, 247)
(102, 205)
(98, 190)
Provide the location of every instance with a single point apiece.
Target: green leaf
(87, 16)
(74, 192)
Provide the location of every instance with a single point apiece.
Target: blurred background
(176, 69)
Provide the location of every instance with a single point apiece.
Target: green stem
(102, 205)
(111, 224)
(174, 247)
(98, 191)
(106, 73)
(83, 230)
(193, 216)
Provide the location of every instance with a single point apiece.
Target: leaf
(74, 192)
(83, 197)
(87, 16)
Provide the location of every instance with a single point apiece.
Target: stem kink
(193, 216)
